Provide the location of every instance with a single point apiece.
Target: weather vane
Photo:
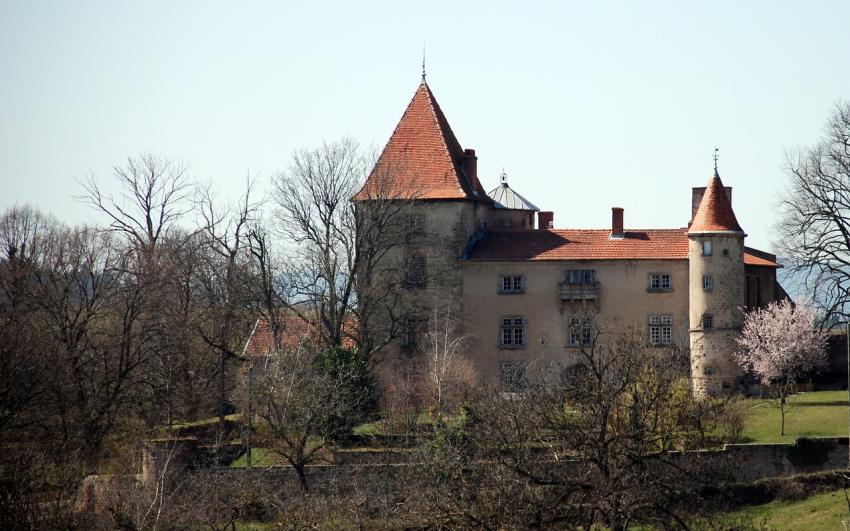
(423, 63)
(716, 156)
(504, 175)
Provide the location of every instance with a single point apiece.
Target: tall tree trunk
(782, 413)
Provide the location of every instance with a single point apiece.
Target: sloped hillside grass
(819, 511)
(814, 414)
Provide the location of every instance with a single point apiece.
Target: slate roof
(715, 212)
(592, 244)
(506, 197)
(423, 158)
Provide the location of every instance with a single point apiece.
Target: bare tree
(23, 366)
(226, 232)
(592, 446)
(449, 373)
(779, 343)
(304, 406)
(154, 196)
(338, 247)
(815, 229)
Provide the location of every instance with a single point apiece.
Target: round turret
(716, 284)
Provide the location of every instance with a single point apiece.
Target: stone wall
(734, 463)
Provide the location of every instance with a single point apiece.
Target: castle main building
(531, 296)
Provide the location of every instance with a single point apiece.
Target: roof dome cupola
(505, 197)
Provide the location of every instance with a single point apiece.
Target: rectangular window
(512, 376)
(581, 331)
(660, 329)
(659, 281)
(580, 276)
(706, 248)
(410, 339)
(707, 282)
(512, 284)
(513, 332)
(707, 321)
(753, 289)
(415, 277)
(416, 224)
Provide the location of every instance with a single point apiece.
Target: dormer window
(512, 284)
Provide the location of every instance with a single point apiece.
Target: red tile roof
(715, 212)
(294, 331)
(582, 244)
(422, 159)
(592, 244)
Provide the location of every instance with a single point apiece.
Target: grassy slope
(822, 413)
(821, 511)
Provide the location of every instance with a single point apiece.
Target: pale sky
(586, 105)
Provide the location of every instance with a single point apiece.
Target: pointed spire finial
(716, 156)
(423, 63)
(504, 176)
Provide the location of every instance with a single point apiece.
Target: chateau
(530, 295)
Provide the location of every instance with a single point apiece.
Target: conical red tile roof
(422, 159)
(715, 212)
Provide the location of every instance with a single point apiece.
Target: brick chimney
(617, 231)
(470, 165)
(696, 199)
(545, 220)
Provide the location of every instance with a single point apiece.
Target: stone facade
(525, 298)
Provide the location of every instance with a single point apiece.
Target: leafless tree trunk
(815, 229)
(337, 246)
(448, 369)
(227, 232)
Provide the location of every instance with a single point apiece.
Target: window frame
(580, 331)
(707, 282)
(660, 328)
(512, 328)
(659, 282)
(706, 248)
(707, 318)
(411, 334)
(579, 277)
(416, 267)
(516, 284)
(512, 375)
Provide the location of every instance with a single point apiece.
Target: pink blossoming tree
(779, 343)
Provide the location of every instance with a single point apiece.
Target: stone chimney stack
(617, 231)
(696, 199)
(545, 220)
(470, 164)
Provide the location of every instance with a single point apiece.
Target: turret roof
(506, 197)
(715, 212)
(423, 159)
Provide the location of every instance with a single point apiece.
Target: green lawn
(821, 413)
(820, 511)
(260, 457)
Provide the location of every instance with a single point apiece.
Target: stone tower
(716, 284)
(424, 165)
